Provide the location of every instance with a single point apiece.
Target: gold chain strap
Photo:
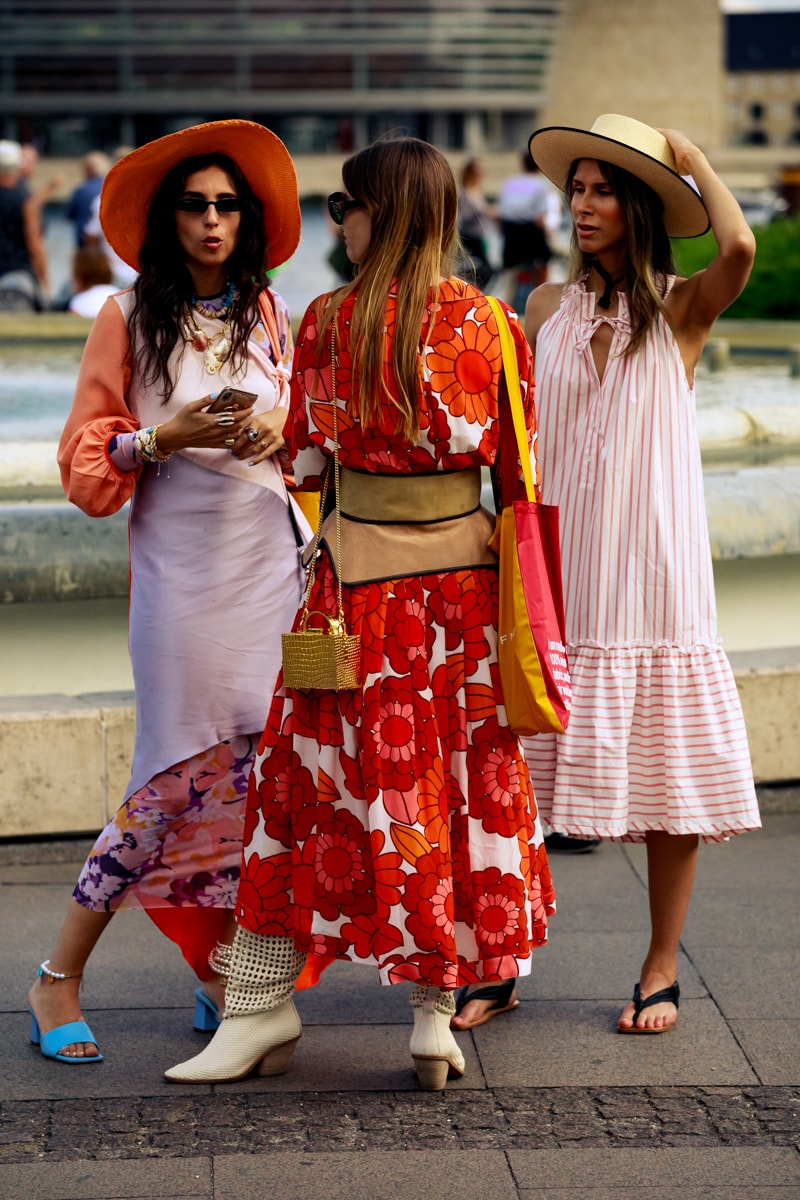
(313, 567)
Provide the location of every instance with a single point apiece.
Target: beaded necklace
(215, 348)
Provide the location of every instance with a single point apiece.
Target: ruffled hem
(656, 740)
(613, 833)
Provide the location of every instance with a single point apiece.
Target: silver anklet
(49, 976)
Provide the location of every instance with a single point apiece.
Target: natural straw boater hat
(639, 149)
(130, 185)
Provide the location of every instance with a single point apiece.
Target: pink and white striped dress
(656, 738)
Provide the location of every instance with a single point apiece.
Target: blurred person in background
(122, 273)
(474, 215)
(91, 279)
(95, 165)
(24, 276)
(526, 211)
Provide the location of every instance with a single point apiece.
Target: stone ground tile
(744, 855)
(328, 1058)
(740, 881)
(352, 1058)
(575, 1044)
(593, 966)
(687, 1192)
(138, 1046)
(773, 1048)
(133, 1180)
(133, 966)
(760, 984)
(385, 1175)
(598, 1173)
(738, 922)
(598, 891)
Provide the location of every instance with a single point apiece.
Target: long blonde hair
(408, 189)
(650, 258)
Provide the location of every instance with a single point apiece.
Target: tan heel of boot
(435, 1051)
(276, 1061)
(265, 1040)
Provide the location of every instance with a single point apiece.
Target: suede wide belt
(439, 496)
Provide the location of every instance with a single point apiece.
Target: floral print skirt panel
(396, 825)
(176, 842)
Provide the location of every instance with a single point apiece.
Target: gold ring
(230, 441)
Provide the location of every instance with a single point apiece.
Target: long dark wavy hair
(164, 285)
(650, 258)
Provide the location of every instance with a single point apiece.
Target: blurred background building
(326, 76)
(473, 76)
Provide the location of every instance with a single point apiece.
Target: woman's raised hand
(682, 148)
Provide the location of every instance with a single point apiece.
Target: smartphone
(232, 398)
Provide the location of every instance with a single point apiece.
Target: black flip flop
(500, 995)
(667, 995)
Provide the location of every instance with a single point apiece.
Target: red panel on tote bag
(534, 673)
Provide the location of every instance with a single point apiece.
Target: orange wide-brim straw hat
(130, 185)
(637, 148)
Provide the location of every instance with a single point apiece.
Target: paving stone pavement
(553, 1106)
(525, 1118)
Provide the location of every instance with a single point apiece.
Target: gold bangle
(159, 456)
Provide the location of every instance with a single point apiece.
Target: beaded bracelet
(146, 444)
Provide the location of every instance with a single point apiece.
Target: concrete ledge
(55, 552)
(753, 512)
(50, 550)
(768, 682)
(75, 765)
(66, 761)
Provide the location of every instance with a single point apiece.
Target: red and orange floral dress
(396, 825)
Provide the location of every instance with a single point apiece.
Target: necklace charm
(215, 348)
(215, 356)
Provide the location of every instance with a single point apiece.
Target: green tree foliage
(772, 292)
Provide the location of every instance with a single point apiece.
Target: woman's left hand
(262, 436)
(682, 148)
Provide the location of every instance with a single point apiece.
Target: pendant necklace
(215, 348)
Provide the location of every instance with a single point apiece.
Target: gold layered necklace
(215, 347)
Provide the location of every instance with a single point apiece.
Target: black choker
(605, 299)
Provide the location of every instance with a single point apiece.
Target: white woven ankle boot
(264, 1041)
(434, 1049)
(260, 1028)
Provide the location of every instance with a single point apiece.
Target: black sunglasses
(196, 204)
(339, 204)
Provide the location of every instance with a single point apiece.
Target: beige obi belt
(395, 525)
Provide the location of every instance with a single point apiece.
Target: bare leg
(671, 865)
(58, 1003)
(214, 987)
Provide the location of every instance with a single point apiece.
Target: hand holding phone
(230, 399)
